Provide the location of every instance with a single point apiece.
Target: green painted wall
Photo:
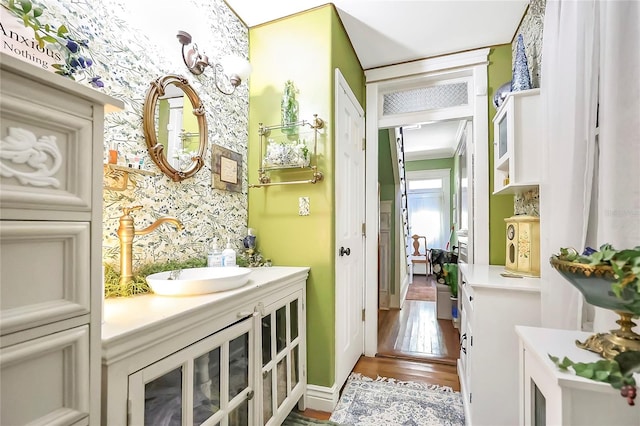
(500, 206)
(387, 190)
(304, 48)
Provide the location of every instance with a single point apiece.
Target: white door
(349, 189)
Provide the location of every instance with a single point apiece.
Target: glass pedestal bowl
(594, 282)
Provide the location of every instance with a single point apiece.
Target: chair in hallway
(420, 255)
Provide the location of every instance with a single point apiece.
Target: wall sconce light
(235, 68)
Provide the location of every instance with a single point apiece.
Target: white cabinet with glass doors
(209, 382)
(283, 352)
(229, 359)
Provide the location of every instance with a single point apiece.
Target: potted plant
(451, 278)
(610, 279)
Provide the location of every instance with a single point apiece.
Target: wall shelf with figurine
(116, 177)
(292, 147)
(517, 143)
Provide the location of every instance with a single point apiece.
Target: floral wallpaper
(527, 203)
(130, 49)
(531, 29)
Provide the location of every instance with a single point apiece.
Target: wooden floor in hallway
(414, 346)
(415, 333)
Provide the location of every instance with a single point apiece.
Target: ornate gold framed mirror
(175, 127)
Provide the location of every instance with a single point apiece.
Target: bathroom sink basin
(194, 281)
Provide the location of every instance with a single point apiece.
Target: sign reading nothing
(18, 41)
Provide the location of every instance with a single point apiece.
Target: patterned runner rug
(368, 402)
(422, 288)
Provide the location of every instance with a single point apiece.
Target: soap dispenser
(228, 255)
(215, 255)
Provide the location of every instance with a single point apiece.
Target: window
(428, 203)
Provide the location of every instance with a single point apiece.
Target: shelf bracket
(317, 177)
(116, 178)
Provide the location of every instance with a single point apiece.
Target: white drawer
(44, 272)
(467, 297)
(46, 159)
(45, 381)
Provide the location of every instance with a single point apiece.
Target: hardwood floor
(411, 371)
(413, 345)
(399, 369)
(415, 333)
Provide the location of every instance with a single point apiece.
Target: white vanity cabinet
(490, 307)
(51, 132)
(283, 354)
(231, 358)
(211, 380)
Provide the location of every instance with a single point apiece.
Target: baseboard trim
(322, 398)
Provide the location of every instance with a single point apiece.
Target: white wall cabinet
(232, 358)
(51, 130)
(517, 143)
(490, 307)
(549, 396)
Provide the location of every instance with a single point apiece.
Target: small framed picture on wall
(226, 169)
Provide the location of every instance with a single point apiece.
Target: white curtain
(618, 217)
(586, 42)
(426, 217)
(569, 99)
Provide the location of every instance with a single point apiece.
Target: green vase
(289, 109)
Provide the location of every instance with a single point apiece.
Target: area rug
(368, 402)
(422, 288)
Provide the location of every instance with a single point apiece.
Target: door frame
(471, 66)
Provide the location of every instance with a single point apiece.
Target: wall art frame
(226, 169)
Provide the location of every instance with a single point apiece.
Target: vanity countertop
(127, 320)
(489, 276)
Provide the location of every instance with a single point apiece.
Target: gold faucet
(127, 231)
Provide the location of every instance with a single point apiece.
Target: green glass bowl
(594, 282)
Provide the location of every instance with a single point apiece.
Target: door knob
(344, 251)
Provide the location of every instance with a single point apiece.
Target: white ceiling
(432, 140)
(386, 32)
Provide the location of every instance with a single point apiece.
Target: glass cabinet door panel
(266, 340)
(218, 374)
(206, 386)
(294, 366)
(238, 365)
(293, 312)
(282, 381)
(539, 406)
(281, 329)
(163, 400)
(240, 415)
(502, 137)
(267, 402)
